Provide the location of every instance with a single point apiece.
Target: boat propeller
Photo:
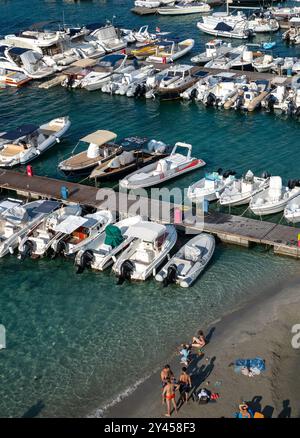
(85, 261)
(171, 275)
(126, 271)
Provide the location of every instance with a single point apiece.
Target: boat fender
(27, 250)
(171, 275)
(126, 270)
(85, 261)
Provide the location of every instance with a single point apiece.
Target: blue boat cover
(47, 207)
(112, 59)
(19, 132)
(257, 362)
(94, 26)
(18, 50)
(223, 27)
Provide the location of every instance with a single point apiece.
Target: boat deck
(228, 228)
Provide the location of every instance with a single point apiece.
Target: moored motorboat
(213, 49)
(136, 153)
(274, 198)
(17, 220)
(211, 186)
(150, 245)
(292, 210)
(189, 262)
(26, 146)
(172, 166)
(175, 81)
(77, 232)
(241, 190)
(170, 51)
(104, 250)
(185, 8)
(101, 148)
(40, 237)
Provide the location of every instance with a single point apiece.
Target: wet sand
(261, 328)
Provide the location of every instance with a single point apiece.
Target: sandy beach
(261, 328)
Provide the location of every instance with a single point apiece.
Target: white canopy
(99, 137)
(70, 224)
(147, 231)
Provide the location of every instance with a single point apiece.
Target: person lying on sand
(168, 396)
(199, 341)
(185, 383)
(166, 373)
(244, 411)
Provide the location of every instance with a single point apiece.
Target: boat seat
(192, 253)
(183, 266)
(12, 149)
(144, 256)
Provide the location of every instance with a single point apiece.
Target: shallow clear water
(74, 343)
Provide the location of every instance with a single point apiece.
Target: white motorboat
(239, 58)
(174, 165)
(276, 98)
(292, 210)
(77, 232)
(291, 104)
(151, 4)
(26, 61)
(226, 25)
(170, 51)
(17, 220)
(274, 198)
(91, 49)
(108, 37)
(12, 78)
(150, 246)
(185, 8)
(250, 95)
(286, 12)
(292, 35)
(211, 186)
(189, 262)
(130, 81)
(101, 148)
(41, 236)
(263, 24)
(213, 49)
(107, 66)
(30, 144)
(38, 41)
(219, 94)
(198, 90)
(104, 250)
(265, 63)
(241, 190)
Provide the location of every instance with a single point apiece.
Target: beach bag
(202, 397)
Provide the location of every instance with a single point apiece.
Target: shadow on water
(34, 410)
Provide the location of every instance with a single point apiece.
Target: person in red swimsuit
(168, 395)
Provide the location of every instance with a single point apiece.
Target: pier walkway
(228, 228)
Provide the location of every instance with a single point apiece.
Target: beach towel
(255, 366)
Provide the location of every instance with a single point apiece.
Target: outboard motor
(126, 271)
(210, 100)
(137, 90)
(60, 248)
(265, 175)
(270, 103)
(171, 275)
(239, 102)
(27, 250)
(219, 171)
(292, 183)
(85, 261)
(290, 108)
(194, 93)
(226, 174)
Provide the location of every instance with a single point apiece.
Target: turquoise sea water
(75, 343)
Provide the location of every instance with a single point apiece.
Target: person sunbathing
(199, 341)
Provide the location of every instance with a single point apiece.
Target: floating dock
(238, 230)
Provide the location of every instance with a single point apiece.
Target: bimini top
(19, 132)
(146, 231)
(70, 224)
(99, 137)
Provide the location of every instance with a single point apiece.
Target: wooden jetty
(228, 228)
